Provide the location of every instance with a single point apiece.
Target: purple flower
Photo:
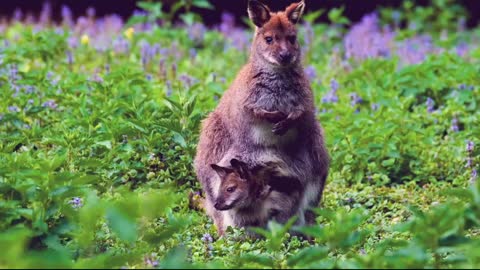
(334, 85)
(67, 17)
(228, 22)
(50, 104)
(207, 238)
(162, 68)
(331, 96)
(470, 146)
(30, 101)
(72, 42)
(174, 70)
(97, 78)
(169, 89)
(29, 89)
(46, 13)
(469, 162)
(430, 103)
(237, 39)
(138, 12)
(454, 126)
(193, 53)
(76, 202)
(309, 34)
(414, 50)
(91, 12)
(355, 99)
(374, 106)
(147, 53)
(69, 58)
(196, 33)
(188, 81)
(366, 40)
(14, 73)
(150, 261)
(311, 73)
(17, 15)
(121, 45)
(54, 81)
(474, 176)
(16, 89)
(13, 109)
(461, 49)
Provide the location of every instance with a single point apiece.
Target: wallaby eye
(230, 189)
(292, 39)
(269, 40)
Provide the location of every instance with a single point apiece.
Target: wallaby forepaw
(280, 128)
(273, 116)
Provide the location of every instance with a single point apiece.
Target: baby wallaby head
(275, 42)
(238, 188)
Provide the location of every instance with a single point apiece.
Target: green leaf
(122, 224)
(263, 260)
(202, 4)
(178, 138)
(107, 144)
(176, 258)
(388, 162)
(307, 256)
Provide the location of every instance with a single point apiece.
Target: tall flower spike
(470, 146)
(454, 127)
(430, 103)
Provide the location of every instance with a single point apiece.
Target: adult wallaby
(269, 106)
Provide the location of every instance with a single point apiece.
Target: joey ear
(221, 171)
(295, 11)
(258, 13)
(240, 167)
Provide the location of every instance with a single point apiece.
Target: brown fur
(269, 106)
(251, 194)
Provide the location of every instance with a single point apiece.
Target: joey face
(234, 190)
(275, 40)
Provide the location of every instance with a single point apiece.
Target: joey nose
(285, 57)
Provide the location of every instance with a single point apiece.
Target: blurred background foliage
(99, 120)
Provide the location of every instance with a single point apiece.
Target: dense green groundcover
(99, 124)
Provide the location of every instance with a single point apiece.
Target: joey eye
(292, 39)
(230, 189)
(269, 40)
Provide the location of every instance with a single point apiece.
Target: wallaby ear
(258, 13)
(295, 11)
(241, 168)
(221, 171)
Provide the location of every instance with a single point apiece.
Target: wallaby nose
(285, 57)
(217, 206)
